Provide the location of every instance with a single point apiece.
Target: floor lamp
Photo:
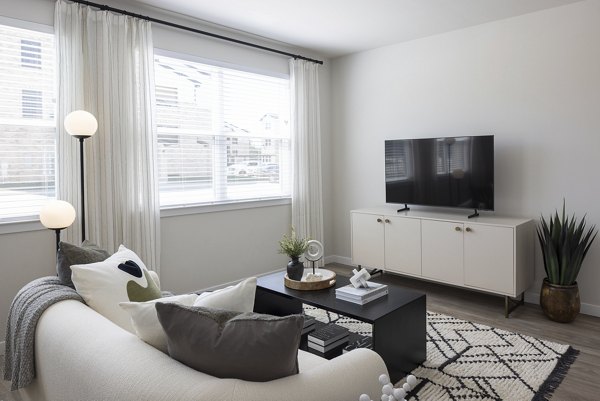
(81, 124)
(57, 215)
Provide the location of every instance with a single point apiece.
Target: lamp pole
(81, 124)
(57, 231)
(82, 183)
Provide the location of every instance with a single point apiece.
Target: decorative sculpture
(389, 393)
(314, 253)
(360, 278)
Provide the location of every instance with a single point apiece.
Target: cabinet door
(489, 258)
(403, 245)
(367, 240)
(442, 251)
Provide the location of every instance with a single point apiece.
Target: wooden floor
(583, 380)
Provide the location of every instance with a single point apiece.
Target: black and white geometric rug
(470, 361)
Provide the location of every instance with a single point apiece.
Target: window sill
(223, 207)
(14, 227)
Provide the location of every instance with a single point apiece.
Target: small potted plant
(294, 247)
(564, 242)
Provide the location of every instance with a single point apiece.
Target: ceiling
(337, 27)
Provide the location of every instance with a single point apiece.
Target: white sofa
(80, 355)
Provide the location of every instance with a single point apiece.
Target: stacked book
(309, 324)
(361, 295)
(328, 337)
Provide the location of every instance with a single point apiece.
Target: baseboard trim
(589, 309)
(530, 297)
(338, 259)
(2, 345)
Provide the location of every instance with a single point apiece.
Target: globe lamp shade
(57, 215)
(81, 124)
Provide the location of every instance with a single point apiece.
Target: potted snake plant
(565, 242)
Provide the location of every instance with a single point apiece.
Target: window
(27, 125)
(31, 53)
(224, 151)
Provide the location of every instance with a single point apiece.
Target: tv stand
(473, 215)
(491, 253)
(404, 209)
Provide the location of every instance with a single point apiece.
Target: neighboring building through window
(27, 124)
(31, 104)
(226, 150)
(31, 53)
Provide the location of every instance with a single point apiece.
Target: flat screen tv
(446, 172)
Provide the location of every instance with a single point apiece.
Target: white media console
(487, 253)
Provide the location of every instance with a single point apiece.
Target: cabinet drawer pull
(379, 220)
(387, 220)
(468, 229)
(457, 228)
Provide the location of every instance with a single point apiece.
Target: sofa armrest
(343, 378)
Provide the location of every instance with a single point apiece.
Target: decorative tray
(327, 280)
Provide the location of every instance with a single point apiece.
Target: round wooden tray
(327, 281)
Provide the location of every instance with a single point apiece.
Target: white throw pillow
(122, 277)
(145, 320)
(237, 298)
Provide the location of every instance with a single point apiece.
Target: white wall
(198, 250)
(202, 250)
(532, 80)
(24, 256)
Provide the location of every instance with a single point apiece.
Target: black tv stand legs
(404, 209)
(473, 215)
(512, 304)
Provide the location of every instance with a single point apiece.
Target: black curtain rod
(198, 31)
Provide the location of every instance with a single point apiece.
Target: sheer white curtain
(307, 202)
(105, 66)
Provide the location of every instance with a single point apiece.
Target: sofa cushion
(145, 320)
(226, 344)
(69, 254)
(238, 298)
(122, 277)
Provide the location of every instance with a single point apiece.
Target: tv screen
(448, 172)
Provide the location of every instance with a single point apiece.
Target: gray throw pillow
(225, 344)
(69, 254)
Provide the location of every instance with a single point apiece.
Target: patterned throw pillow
(69, 254)
(122, 277)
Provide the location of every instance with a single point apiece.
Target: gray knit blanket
(25, 311)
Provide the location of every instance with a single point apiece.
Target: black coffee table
(398, 319)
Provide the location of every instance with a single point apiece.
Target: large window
(223, 134)
(27, 126)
